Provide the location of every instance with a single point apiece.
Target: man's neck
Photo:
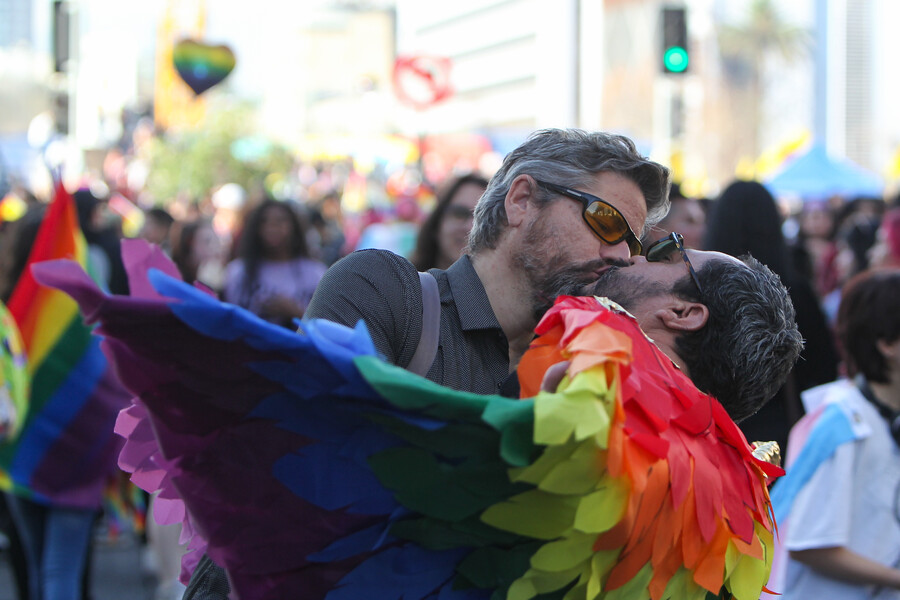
(664, 340)
(510, 298)
(669, 350)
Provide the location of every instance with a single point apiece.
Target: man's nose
(637, 258)
(618, 251)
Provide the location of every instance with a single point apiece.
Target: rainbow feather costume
(310, 468)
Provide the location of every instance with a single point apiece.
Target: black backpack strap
(431, 326)
(208, 582)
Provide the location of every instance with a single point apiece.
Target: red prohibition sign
(422, 81)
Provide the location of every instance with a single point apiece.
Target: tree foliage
(745, 49)
(194, 162)
(763, 32)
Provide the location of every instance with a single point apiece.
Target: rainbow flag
(66, 449)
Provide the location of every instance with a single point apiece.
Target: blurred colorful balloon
(202, 66)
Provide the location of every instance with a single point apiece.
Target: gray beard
(574, 280)
(550, 273)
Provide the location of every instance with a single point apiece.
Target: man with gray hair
(729, 324)
(528, 246)
(565, 201)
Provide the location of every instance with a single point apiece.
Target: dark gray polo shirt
(383, 290)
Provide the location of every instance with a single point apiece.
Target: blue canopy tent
(815, 175)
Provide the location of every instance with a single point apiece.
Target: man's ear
(683, 315)
(517, 198)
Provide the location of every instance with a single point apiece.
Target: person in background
(856, 234)
(686, 216)
(325, 217)
(444, 234)
(814, 248)
(395, 230)
(886, 251)
(157, 227)
(273, 276)
(103, 240)
(746, 220)
(838, 507)
(198, 253)
(13, 551)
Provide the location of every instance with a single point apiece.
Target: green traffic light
(676, 59)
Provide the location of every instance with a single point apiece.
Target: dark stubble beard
(550, 273)
(625, 289)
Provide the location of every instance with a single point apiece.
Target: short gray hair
(749, 344)
(570, 157)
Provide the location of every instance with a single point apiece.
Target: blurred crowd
(251, 249)
(266, 252)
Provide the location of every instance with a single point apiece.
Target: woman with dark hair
(273, 275)
(837, 508)
(103, 241)
(813, 248)
(198, 253)
(16, 239)
(444, 233)
(746, 220)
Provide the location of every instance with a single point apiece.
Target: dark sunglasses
(603, 218)
(662, 249)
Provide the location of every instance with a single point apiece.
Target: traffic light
(675, 57)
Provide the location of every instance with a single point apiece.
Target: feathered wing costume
(313, 469)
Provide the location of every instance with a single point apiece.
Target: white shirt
(850, 501)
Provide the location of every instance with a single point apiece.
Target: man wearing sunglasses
(727, 323)
(565, 201)
(531, 234)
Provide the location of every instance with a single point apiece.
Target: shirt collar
(472, 304)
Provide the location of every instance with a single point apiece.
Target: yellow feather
(535, 514)
(564, 554)
(600, 510)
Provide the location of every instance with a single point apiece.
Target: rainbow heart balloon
(202, 66)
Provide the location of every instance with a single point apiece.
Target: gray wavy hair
(570, 157)
(749, 344)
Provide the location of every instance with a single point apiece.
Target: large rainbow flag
(66, 450)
